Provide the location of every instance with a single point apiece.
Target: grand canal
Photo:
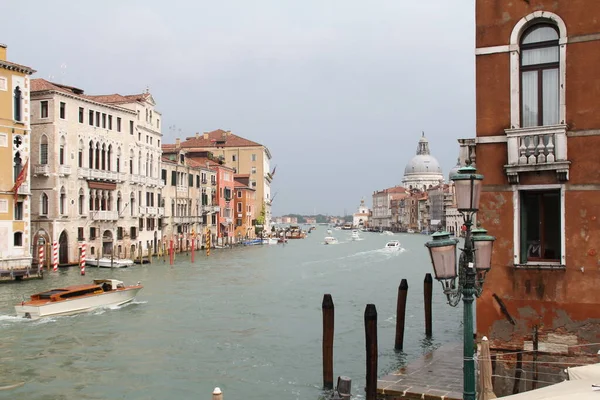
(245, 319)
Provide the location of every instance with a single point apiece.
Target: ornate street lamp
(473, 264)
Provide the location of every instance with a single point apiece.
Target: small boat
(392, 245)
(389, 233)
(329, 231)
(269, 241)
(77, 299)
(330, 240)
(282, 240)
(252, 242)
(355, 235)
(410, 231)
(105, 262)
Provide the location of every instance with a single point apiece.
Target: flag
(273, 173)
(20, 179)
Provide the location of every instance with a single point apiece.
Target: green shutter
(523, 228)
(173, 178)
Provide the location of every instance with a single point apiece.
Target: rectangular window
(233, 157)
(110, 122)
(173, 178)
(103, 120)
(540, 227)
(238, 222)
(253, 170)
(44, 153)
(91, 118)
(197, 181)
(44, 109)
(118, 124)
(191, 180)
(253, 157)
(119, 233)
(131, 127)
(19, 211)
(92, 233)
(158, 123)
(164, 176)
(98, 119)
(239, 207)
(81, 115)
(80, 233)
(239, 193)
(3, 206)
(63, 110)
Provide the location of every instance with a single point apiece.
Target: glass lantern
(467, 183)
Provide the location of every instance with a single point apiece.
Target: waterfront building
(381, 217)
(15, 208)
(243, 156)
(538, 131)
(244, 197)
(423, 170)
(95, 171)
(190, 187)
(360, 218)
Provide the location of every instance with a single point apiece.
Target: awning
(568, 390)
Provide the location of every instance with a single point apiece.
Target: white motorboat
(107, 263)
(77, 299)
(355, 235)
(330, 240)
(410, 231)
(392, 245)
(389, 233)
(329, 231)
(269, 241)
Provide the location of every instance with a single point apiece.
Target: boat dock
(435, 376)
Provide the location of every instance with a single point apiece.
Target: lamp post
(473, 264)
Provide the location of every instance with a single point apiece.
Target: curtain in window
(550, 96)
(529, 88)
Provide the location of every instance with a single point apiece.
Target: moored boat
(77, 299)
(108, 263)
(269, 241)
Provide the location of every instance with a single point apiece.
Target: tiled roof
(16, 67)
(116, 98)
(40, 85)
(218, 138)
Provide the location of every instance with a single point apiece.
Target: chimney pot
(197, 135)
(178, 143)
(205, 135)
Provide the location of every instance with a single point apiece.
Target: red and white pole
(171, 252)
(82, 261)
(40, 257)
(55, 256)
(193, 249)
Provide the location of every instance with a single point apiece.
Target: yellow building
(15, 246)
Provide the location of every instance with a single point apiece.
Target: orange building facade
(244, 197)
(538, 131)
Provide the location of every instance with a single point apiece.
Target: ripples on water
(246, 319)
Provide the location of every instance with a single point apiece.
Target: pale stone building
(15, 209)
(381, 217)
(189, 196)
(95, 171)
(361, 217)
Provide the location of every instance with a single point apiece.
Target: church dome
(423, 164)
(423, 170)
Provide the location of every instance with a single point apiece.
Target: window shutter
(173, 178)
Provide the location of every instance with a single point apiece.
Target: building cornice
(76, 97)
(16, 67)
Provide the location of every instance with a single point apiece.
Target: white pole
(217, 394)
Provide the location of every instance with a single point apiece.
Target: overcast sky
(339, 91)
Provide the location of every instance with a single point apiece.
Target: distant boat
(392, 245)
(410, 231)
(269, 241)
(252, 242)
(355, 235)
(105, 262)
(330, 240)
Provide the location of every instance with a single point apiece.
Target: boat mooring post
(401, 314)
(428, 295)
(328, 325)
(171, 252)
(192, 250)
(217, 394)
(371, 349)
(112, 258)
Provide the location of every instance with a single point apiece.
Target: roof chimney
(197, 135)
(228, 133)
(2, 52)
(224, 134)
(205, 135)
(177, 143)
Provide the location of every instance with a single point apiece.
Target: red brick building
(538, 135)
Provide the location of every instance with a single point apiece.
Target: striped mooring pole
(40, 257)
(208, 242)
(55, 256)
(82, 260)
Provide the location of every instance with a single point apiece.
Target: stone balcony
(64, 170)
(138, 179)
(96, 174)
(160, 211)
(182, 189)
(24, 189)
(41, 169)
(104, 215)
(540, 148)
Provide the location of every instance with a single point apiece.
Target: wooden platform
(436, 376)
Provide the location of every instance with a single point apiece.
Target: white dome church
(423, 171)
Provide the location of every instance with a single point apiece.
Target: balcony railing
(182, 189)
(42, 169)
(138, 179)
(64, 170)
(24, 189)
(540, 148)
(86, 173)
(151, 210)
(160, 211)
(104, 215)
(142, 210)
(216, 208)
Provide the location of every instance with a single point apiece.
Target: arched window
(17, 104)
(62, 205)
(132, 203)
(139, 170)
(540, 76)
(119, 203)
(131, 157)
(18, 239)
(44, 150)
(91, 157)
(80, 155)
(118, 160)
(109, 158)
(44, 204)
(61, 151)
(81, 201)
(97, 166)
(17, 164)
(103, 157)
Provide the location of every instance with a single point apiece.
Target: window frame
(539, 68)
(44, 109)
(517, 225)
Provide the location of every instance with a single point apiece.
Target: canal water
(247, 320)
